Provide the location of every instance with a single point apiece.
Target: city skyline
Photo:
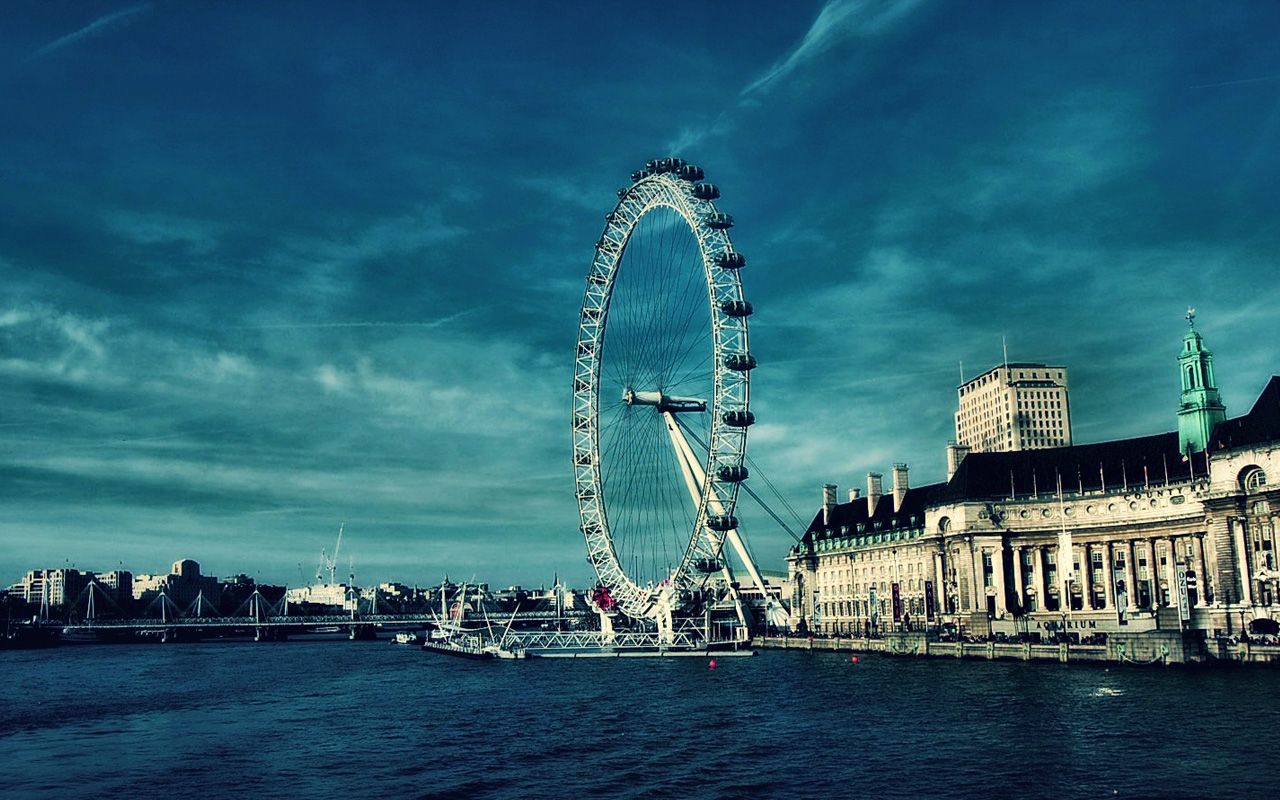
(269, 270)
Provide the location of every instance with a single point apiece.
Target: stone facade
(1020, 406)
(1132, 535)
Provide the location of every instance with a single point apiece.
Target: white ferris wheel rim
(726, 446)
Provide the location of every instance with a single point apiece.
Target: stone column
(997, 579)
(1019, 590)
(1223, 565)
(978, 580)
(1109, 575)
(1171, 574)
(1202, 578)
(1037, 576)
(1086, 579)
(1131, 574)
(1245, 568)
(939, 585)
(1153, 573)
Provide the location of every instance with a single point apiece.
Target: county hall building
(1175, 530)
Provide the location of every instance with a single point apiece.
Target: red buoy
(712, 665)
(854, 659)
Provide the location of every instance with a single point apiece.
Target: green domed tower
(1201, 409)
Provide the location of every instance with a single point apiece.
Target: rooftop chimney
(875, 488)
(854, 494)
(899, 486)
(955, 454)
(828, 501)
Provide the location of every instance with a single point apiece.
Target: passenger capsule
(737, 308)
(720, 221)
(582, 459)
(691, 172)
(730, 259)
(739, 419)
(622, 193)
(740, 362)
(733, 473)
(722, 522)
(706, 191)
(708, 565)
(640, 175)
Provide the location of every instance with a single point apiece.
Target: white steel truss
(731, 362)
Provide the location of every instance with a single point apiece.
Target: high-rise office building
(1017, 406)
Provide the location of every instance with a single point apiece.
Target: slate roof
(1261, 424)
(1113, 465)
(854, 512)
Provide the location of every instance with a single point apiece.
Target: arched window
(1252, 479)
(1191, 376)
(944, 524)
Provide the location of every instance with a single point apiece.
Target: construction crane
(328, 564)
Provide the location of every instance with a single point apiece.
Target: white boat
(406, 637)
(453, 637)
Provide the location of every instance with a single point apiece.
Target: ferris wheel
(661, 389)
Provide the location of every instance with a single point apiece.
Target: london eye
(661, 392)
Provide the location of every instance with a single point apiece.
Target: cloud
(428, 324)
(405, 233)
(100, 26)
(838, 21)
(42, 340)
(150, 228)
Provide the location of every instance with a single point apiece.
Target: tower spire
(1201, 408)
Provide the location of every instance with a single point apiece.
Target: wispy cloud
(100, 26)
(1237, 82)
(428, 324)
(839, 20)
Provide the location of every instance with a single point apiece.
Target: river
(370, 719)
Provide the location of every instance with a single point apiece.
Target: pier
(264, 628)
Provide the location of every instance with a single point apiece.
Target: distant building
(1174, 530)
(1019, 406)
(118, 587)
(52, 587)
(182, 587)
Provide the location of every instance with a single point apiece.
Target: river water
(371, 719)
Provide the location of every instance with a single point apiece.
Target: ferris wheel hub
(663, 402)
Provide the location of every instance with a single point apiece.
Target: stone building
(52, 587)
(1018, 406)
(1174, 530)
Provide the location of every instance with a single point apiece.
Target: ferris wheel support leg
(694, 478)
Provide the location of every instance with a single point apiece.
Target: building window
(1253, 479)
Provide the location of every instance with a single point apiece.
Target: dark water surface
(349, 720)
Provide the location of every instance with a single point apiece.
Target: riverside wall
(1148, 648)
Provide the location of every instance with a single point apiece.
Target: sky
(271, 268)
